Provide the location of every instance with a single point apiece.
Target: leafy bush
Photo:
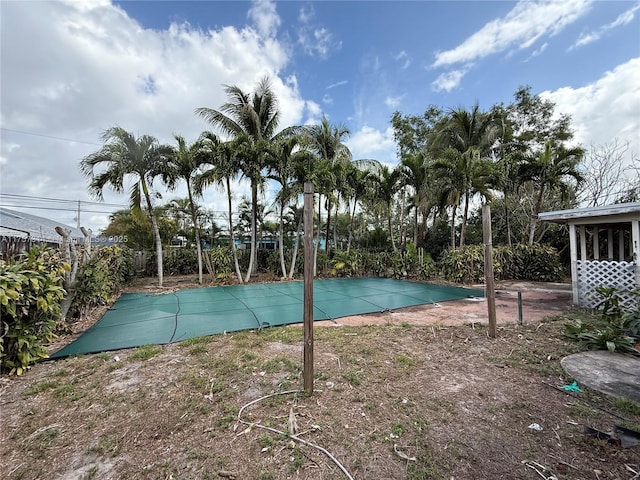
(517, 262)
(102, 277)
(466, 264)
(180, 261)
(30, 296)
(613, 329)
(536, 262)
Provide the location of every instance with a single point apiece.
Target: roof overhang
(621, 212)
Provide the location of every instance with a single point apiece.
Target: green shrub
(30, 296)
(612, 329)
(466, 264)
(102, 277)
(180, 261)
(517, 262)
(536, 262)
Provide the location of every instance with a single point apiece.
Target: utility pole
(308, 288)
(488, 268)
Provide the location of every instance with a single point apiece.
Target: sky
(72, 69)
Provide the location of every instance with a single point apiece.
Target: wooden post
(488, 268)
(308, 288)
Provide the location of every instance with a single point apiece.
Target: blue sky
(72, 69)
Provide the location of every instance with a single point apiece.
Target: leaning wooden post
(488, 268)
(308, 288)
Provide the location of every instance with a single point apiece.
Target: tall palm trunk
(196, 227)
(463, 229)
(317, 246)
(351, 217)
(533, 222)
(393, 243)
(453, 226)
(415, 225)
(156, 231)
(254, 215)
(328, 227)
(294, 256)
(281, 242)
(232, 237)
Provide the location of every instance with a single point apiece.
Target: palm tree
(462, 143)
(253, 116)
(185, 165)
(125, 155)
(386, 186)
(286, 160)
(548, 170)
(225, 166)
(461, 176)
(326, 142)
(415, 174)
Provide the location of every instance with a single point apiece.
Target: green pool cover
(137, 319)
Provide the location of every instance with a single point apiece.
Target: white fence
(601, 273)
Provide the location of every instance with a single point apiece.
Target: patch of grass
(398, 429)
(91, 473)
(190, 342)
(280, 364)
(353, 377)
(39, 441)
(266, 441)
(39, 387)
(145, 352)
(69, 391)
(405, 361)
(198, 349)
(266, 476)
(193, 453)
(581, 410)
(107, 446)
(103, 356)
(297, 460)
(626, 406)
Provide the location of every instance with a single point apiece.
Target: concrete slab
(609, 373)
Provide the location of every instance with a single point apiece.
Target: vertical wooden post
(308, 288)
(488, 268)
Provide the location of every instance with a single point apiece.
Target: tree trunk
(196, 227)
(156, 232)
(351, 217)
(86, 254)
(326, 239)
(254, 214)
(294, 256)
(232, 238)
(463, 229)
(415, 224)
(317, 246)
(507, 218)
(71, 257)
(281, 242)
(393, 243)
(534, 217)
(453, 226)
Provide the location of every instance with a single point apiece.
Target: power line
(53, 137)
(47, 199)
(56, 209)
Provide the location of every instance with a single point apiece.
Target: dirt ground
(420, 393)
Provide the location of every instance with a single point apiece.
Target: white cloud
(369, 142)
(316, 41)
(327, 99)
(71, 70)
(521, 27)
(393, 102)
(264, 16)
(606, 109)
(403, 57)
(337, 84)
(449, 80)
(623, 19)
(538, 51)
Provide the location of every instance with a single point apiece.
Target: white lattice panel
(600, 273)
